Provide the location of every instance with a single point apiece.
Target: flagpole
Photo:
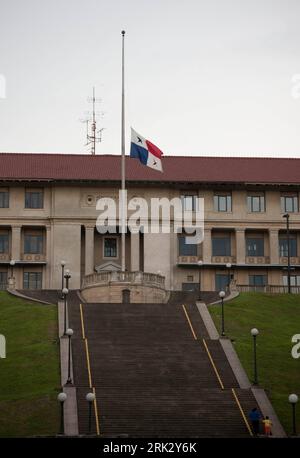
(122, 203)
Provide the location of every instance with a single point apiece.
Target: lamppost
(70, 332)
(62, 263)
(90, 397)
(222, 295)
(12, 263)
(67, 277)
(65, 294)
(61, 399)
(293, 399)
(287, 216)
(228, 266)
(199, 279)
(254, 333)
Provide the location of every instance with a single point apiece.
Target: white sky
(202, 77)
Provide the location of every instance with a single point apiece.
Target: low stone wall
(113, 293)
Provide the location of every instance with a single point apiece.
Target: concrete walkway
(70, 406)
(261, 398)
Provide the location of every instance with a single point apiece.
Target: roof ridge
(164, 156)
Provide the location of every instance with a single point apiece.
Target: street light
(62, 263)
(287, 216)
(254, 333)
(70, 332)
(228, 266)
(90, 397)
(222, 295)
(199, 265)
(65, 292)
(61, 399)
(293, 399)
(12, 263)
(67, 277)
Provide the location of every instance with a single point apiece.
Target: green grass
(29, 376)
(278, 318)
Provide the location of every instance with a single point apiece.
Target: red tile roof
(105, 167)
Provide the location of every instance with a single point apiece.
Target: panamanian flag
(145, 151)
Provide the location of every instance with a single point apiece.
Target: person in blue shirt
(255, 417)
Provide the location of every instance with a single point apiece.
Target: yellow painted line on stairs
(242, 411)
(89, 370)
(213, 364)
(88, 362)
(189, 321)
(82, 322)
(96, 413)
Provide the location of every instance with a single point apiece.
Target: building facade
(48, 214)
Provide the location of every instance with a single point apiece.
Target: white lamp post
(222, 295)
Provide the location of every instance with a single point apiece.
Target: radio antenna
(93, 136)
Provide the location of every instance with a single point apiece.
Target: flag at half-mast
(145, 151)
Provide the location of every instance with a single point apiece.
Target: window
(295, 280)
(3, 280)
(221, 246)
(222, 203)
(4, 199)
(256, 203)
(110, 247)
(283, 247)
(255, 247)
(3, 243)
(257, 280)
(221, 281)
(33, 244)
(187, 249)
(32, 280)
(289, 203)
(34, 199)
(189, 203)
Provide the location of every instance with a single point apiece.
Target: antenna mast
(93, 135)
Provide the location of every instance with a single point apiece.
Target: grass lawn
(278, 318)
(29, 376)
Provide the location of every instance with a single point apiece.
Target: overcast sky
(207, 77)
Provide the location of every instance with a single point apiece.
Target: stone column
(240, 246)
(47, 269)
(16, 243)
(274, 246)
(89, 249)
(135, 250)
(206, 246)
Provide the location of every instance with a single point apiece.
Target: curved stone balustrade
(108, 286)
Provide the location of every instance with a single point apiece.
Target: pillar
(135, 250)
(89, 249)
(274, 246)
(240, 246)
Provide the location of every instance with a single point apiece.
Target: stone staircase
(151, 377)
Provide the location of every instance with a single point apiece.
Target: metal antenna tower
(93, 135)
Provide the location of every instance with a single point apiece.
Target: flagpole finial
(123, 32)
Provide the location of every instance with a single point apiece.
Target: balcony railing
(272, 289)
(284, 260)
(116, 276)
(223, 259)
(4, 257)
(33, 257)
(188, 259)
(257, 260)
